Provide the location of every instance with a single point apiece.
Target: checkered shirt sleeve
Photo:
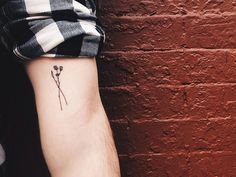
(51, 28)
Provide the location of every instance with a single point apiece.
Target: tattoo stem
(59, 88)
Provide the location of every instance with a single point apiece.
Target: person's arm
(75, 133)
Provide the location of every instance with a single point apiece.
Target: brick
(170, 102)
(154, 166)
(170, 7)
(165, 33)
(167, 67)
(195, 165)
(144, 33)
(213, 164)
(166, 137)
(152, 137)
(210, 32)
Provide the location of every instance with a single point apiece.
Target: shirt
(51, 28)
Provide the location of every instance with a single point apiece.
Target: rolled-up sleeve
(51, 28)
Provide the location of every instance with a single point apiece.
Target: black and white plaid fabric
(51, 28)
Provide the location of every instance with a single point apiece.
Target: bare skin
(76, 136)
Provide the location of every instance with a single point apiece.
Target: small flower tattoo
(56, 77)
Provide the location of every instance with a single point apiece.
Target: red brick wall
(168, 83)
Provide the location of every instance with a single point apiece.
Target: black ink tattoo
(56, 78)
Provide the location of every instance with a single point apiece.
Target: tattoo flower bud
(56, 78)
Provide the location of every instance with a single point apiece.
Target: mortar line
(210, 152)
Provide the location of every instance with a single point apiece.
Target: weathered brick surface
(168, 7)
(166, 137)
(155, 165)
(176, 67)
(209, 164)
(170, 102)
(213, 164)
(165, 32)
(168, 83)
